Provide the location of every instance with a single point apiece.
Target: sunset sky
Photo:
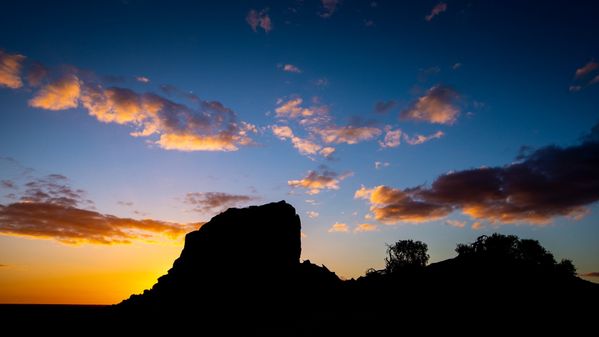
(126, 124)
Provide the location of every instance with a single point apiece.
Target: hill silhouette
(245, 263)
(241, 274)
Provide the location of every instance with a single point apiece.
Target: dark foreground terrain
(240, 274)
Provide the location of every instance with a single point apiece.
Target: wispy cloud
(392, 138)
(290, 68)
(339, 228)
(316, 181)
(456, 223)
(585, 70)
(591, 274)
(259, 19)
(329, 7)
(384, 106)
(49, 208)
(380, 164)
(536, 188)
(312, 214)
(366, 227)
(438, 106)
(582, 75)
(212, 202)
(304, 146)
(10, 70)
(348, 134)
(438, 9)
(419, 139)
(142, 79)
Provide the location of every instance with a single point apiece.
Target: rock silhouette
(239, 258)
(245, 265)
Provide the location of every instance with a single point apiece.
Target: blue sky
(476, 81)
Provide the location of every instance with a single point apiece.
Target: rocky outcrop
(240, 256)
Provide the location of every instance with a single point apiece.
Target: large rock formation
(239, 257)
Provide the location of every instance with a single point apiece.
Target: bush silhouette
(406, 254)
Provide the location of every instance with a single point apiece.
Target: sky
(126, 124)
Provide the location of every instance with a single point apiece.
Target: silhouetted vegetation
(406, 255)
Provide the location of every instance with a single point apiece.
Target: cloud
(348, 134)
(8, 184)
(586, 69)
(290, 68)
(438, 9)
(125, 203)
(575, 88)
(142, 79)
(58, 95)
(539, 186)
(304, 146)
(312, 214)
(316, 181)
(49, 208)
(391, 205)
(379, 164)
(456, 223)
(10, 70)
(283, 132)
(392, 138)
(477, 225)
(456, 66)
(591, 274)
(293, 109)
(329, 7)
(384, 106)
(366, 227)
(36, 73)
(321, 82)
(327, 152)
(211, 127)
(339, 228)
(419, 139)
(437, 106)
(210, 202)
(75, 225)
(259, 19)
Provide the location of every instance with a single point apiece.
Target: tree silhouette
(406, 254)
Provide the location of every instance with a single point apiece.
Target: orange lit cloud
(304, 146)
(49, 208)
(539, 186)
(58, 95)
(204, 126)
(10, 70)
(456, 223)
(74, 225)
(437, 106)
(366, 227)
(216, 201)
(339, 228)
(438, 9)
(477, 225)
(316, 181)
(348, 134)
(391, 205)
(419, 139)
